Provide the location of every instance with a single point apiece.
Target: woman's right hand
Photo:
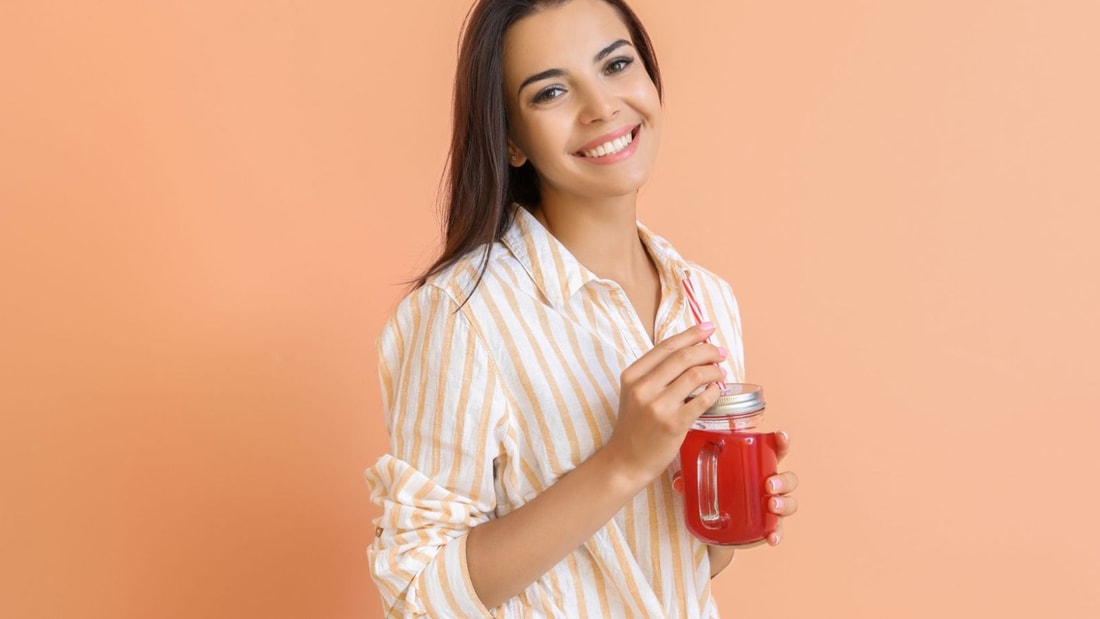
(653, 415)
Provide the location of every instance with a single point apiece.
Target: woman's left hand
(778, 486)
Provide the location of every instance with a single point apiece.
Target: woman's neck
(602, 235)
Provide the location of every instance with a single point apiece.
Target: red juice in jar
(724, 465)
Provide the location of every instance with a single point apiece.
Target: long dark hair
(479, 184)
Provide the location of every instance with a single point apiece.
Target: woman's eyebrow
(547, 74)
(610, 48)
(541, 76)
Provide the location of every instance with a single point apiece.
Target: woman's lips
(607, 137)
(612, 147)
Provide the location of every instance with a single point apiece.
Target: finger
(783, 505)
(699, 404)
(776, 536)
(782, 445)
(672, 367)
(651, 359)
(690, 380)
(782, 483)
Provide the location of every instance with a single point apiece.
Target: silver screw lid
(738, 399)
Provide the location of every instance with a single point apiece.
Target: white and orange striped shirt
(489, 404)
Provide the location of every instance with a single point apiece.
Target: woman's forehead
(557, 36)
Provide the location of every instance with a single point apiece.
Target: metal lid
(738, 399)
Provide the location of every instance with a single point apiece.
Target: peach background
(206, 209)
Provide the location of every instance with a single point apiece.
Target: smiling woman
(542, 376)
(480, 180)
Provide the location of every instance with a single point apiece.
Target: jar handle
(707, 474)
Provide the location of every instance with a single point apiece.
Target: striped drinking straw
(696, 312)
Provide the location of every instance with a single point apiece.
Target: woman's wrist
(623, 479)
(720, 557)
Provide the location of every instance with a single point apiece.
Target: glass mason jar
(725, 464)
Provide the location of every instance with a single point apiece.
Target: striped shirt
(489, 404)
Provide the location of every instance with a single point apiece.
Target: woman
(534, 424)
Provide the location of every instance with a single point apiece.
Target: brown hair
(479, 184)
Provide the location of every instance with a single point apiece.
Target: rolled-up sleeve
(444, 411)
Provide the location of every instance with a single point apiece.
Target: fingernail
(786, 437)
(706, 326)
(774, 484)
(722, 352)
(776, 538)
(724, 372)
(779, 505)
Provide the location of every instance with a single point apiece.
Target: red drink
(724, 468)
(726, 484)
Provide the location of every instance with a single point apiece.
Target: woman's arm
(720, 558)
(507, 554)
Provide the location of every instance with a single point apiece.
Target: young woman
(537, 382)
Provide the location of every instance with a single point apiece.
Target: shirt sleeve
(445, 410)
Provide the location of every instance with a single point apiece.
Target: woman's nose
(599, 105)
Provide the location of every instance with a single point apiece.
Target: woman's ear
(516, 158)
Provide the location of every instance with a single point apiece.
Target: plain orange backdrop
(207, 208)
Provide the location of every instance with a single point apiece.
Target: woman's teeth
(611, 147)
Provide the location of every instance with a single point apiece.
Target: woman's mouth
(613, 149)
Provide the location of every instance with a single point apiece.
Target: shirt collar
(559, 275)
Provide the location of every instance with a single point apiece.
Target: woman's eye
(618, 65)
(549, 94)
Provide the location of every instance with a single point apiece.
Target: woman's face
(581, 106)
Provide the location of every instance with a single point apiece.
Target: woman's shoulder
(454, 286)
(470, 271)
(702, 275)
(449, 305)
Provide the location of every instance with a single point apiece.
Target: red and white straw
(693, 303)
